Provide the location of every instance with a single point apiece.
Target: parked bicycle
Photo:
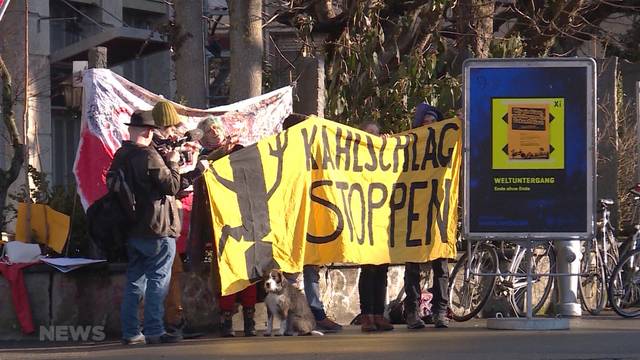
(599, 257)
(624, 284)
(469, 291)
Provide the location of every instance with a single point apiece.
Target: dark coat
(155, 184)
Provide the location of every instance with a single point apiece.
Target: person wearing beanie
(426, 115)
(167, 119)
(165, 114)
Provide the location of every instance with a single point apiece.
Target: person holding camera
(168, 138)
(151, 243)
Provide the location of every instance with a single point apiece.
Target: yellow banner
(322, 192)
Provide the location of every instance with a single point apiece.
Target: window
(140, 19)
(66, 135)
(67, 26)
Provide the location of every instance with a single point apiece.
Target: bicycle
(469, 291)
(624, 284)
(599, 257)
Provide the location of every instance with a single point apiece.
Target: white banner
(109, 100)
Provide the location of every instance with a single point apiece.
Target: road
(607, 337)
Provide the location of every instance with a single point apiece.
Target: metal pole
(529, 284)
(25, 127)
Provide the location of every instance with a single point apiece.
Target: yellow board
(527, 133)
(322, 192)
(48, 226)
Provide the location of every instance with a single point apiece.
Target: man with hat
(151, 241)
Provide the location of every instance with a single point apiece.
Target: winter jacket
(155, 184)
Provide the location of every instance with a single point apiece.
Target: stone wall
(92, 296)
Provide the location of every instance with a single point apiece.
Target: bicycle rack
(529, 322)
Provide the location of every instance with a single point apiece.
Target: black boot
(227, 324)
(249, 322)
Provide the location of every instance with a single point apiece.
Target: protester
(166, 118)
(216, 144)
(426, 115)
(151, 242)
(372, 284)
(311, 279)
(311, 273)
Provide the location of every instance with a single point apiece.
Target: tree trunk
(246, 48)
(7, 177)
(474, 22)
(189, 53)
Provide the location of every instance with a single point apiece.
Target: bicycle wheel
(624, 288)
(592, 287)
(469, 293)
(543, 261)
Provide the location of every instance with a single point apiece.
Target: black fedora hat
(142, 119)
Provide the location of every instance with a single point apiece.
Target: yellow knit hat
(165, 114)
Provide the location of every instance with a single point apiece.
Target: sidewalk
(603, 337)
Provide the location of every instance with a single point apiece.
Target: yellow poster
(527, 133)
(48, 227)
(322, 192)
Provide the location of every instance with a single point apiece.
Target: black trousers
(440, 285)
(373, 289)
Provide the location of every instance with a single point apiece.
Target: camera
(165, 145)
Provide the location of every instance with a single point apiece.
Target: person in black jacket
(426, 115)
(151, 244)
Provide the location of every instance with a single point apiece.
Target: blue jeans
(311, 275)
(148, 276)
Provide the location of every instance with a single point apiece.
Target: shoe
(413, 320)
(138, 339)
(249, 322)
(227, 324)
(183, 330)
(381, 323)
(441, 321)
(428, 320)
(176, 329)
(165, 338)
(367, 323)
(327, 325)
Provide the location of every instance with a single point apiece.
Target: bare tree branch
(7, 177)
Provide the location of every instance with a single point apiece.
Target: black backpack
(123, 190)
(110, 216)
(107, 225)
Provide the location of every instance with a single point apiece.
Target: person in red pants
(217, 144)
(227, 305)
